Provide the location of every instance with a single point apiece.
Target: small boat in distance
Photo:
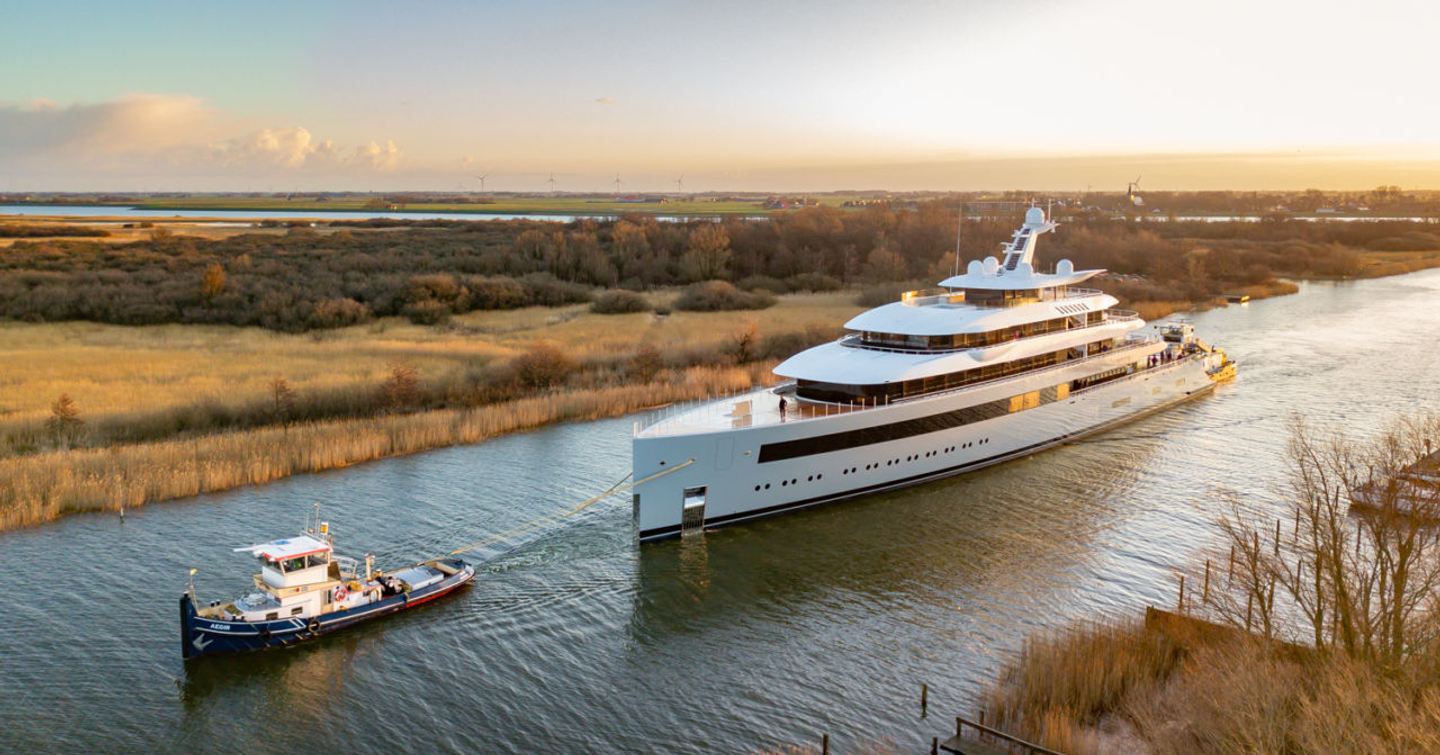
(305, 590)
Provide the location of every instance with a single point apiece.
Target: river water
(753, 637)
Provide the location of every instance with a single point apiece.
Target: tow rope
(619, 487)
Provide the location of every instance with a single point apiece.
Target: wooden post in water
(1205, 593)
(1230, 578)
(824, 744)
(934, 746)
(924, 698)
(959, 726)
(1277, 536)
(1180, 602)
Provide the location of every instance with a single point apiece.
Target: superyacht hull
(721, 477)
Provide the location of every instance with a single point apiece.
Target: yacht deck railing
(806, 409)
(1111, 316)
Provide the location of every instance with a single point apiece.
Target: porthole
(767, 486)
(811, 478)
(783, 483)
(757, 488)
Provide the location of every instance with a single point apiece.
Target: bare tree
(1361, 567)
(401, 391)
(283, 397)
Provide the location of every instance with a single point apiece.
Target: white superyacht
(1000, 362)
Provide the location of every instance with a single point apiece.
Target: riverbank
(142, 395)
(42, 487)
(162, 412)
(1167, 684)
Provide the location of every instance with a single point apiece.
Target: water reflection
(978, 536)
(754, 636)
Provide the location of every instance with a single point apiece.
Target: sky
(733, 96)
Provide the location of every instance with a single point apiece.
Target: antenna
(959, 226)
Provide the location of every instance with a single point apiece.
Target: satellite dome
(1034, 216)
(974, 268)
(1064, 267)
(991, 265)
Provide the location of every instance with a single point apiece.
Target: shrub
(813, 282)
(428, 312)
(874, 296)
(764, 283)
(339, 313)
(719, 296)
(618, 302)
(545, 290)
(542, 366)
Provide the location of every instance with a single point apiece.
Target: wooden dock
(974, 738)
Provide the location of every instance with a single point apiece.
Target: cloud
(137, 123)
(178, 132)
(607, 100)
(296, 148)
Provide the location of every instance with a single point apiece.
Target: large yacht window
(977, 340)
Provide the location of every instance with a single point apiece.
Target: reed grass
(42, 487)
(1123, 687)
(146, 383)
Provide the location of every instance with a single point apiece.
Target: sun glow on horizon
(908, 95)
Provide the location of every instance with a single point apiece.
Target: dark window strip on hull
(674, 529)
(866, 436)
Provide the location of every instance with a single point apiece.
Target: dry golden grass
(120, 373)
(1128, 688)
(146, 376)
(41, 487)
(1379, 264)
(119, 234)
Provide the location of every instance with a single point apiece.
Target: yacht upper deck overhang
(940, 314)
(759, 407)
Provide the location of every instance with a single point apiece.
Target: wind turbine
(680, 184)
(617, 183)
(1135, 198)
(481, 179)
(551, 181)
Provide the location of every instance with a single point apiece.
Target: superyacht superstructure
(998, 363)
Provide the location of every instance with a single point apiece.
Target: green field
(518, 205)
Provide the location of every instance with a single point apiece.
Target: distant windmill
(617, 183)
(1132, 192)
(551, 181)
(680, 184)
(481, 179)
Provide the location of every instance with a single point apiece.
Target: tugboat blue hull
(200, 636)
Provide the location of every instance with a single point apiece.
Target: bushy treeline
(429, 270)
(17, 231)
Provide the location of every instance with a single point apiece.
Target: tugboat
(305, 590)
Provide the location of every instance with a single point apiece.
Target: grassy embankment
(171, 411)
(1162, 688)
